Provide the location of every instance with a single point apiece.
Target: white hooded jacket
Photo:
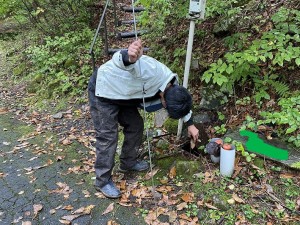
(117, 81)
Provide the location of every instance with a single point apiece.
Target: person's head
(178, 101)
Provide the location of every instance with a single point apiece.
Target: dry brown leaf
(181, 206)
(112, 222)
(210, 206)
(125, 204)
(68, 207)
(188, 197)
(237, 170)
(237, 198)
(164, 189)
(70, 217)
(172, 216)
(208, 177)
(151, 217)
(298, 203)
(109, 209)
(88, 209)
(172, 172)
(149, 175)
(66, 141)
(86, 193)
(185, 217)
(3, 111)
(287, 175)
(123, 185)
(79, 211)
(36, 209)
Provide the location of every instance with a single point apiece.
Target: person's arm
(125, 59)
(193, 132)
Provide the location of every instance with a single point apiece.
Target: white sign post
(196, 11)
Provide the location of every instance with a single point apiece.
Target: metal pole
(98, 28)
(187, 67)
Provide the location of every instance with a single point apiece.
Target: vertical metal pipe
(115, 15)
(105, 37)
(187, 68)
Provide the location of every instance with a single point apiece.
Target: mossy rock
(20, 69)
(188, 168)
(220, 201)
(171, 125)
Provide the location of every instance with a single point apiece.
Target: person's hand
(162, 99)
(135, 51)
(193, 132)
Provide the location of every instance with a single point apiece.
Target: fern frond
(281, 88)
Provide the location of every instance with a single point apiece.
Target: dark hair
(178, 100)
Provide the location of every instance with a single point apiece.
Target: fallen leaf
(237, 198)
(3, 175)
(70, 217)
(88, 209)
(21, 192)
(231, 187)
(36, 209)
(123, 184)
(208, 177)
(287, 175)
(172, 216)
(164, 189)
(188, 197)
(181, 206)
(65, 222)
(3, 111)
(86, 194)
(185, 217)
(231, 201)
(109, 209)
(125, 204)
(17, 220)
(52, 211)
(112, 222)
(66, 141)
(210, 206)
(68, 207)
(150, 174)
(172, 172)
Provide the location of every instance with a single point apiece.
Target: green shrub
(257, 65)
(61, 64)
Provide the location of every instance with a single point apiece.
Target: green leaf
(291, 130)
(297, 61)
(229, 69)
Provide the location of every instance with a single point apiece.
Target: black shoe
(139, 166)
(109, 190)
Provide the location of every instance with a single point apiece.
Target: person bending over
(116, 92)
